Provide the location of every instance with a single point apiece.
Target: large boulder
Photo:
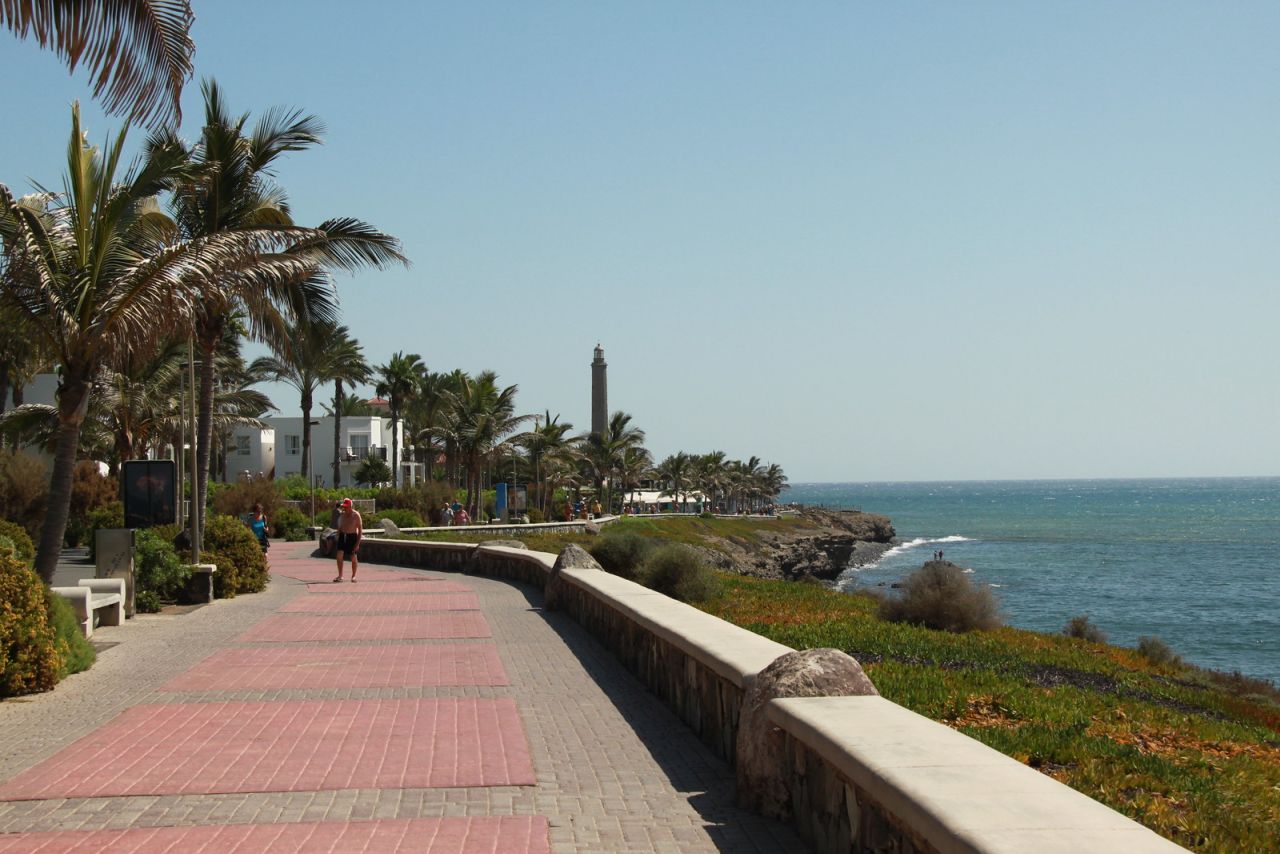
(573, 557)
(390, 529)
(762, 777)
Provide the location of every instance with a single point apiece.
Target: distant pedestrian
(258, 524)
(350, 532)
(446, 515)
(461, 517)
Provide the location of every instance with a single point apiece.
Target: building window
(359, 446)
(293, 445)
(242, 445)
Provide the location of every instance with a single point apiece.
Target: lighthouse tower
(599, 393)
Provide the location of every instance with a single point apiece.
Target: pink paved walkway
(386, 666)
(482, 835)
(339, 717)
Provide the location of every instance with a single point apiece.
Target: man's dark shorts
(347, 543)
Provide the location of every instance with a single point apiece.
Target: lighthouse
(599, 393)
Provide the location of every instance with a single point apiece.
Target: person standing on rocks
(350, 532)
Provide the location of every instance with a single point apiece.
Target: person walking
(258, 524)
(350, 532)
(446, 515)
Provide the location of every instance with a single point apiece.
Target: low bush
(289, 523)
(535, 516)
(242, 568)
(107, 516)
(623, 553)
(160, 575)
(401, 517)
(1081, 627)
(677, 571)
(1157, 651)
(421, 498)
(24, 491)
(90, 490)
(29, 660)
(75, 653)
(940, 596)
(24, 549)
(236, 499)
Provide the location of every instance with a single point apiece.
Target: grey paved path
(614, 769)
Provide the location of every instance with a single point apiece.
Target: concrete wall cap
(732, 652)
(959, 794)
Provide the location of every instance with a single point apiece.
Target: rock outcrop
(831, 541)
(573, 557)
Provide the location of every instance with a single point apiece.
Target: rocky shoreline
(826, 543)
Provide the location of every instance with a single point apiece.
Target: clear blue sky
(864, 241)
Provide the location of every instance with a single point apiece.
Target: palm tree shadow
(693, 770)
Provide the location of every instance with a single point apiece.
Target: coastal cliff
(821, 546)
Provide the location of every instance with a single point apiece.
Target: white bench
(96, 600)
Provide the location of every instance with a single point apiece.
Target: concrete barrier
(864, 774)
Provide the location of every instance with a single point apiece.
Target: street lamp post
(311, 480)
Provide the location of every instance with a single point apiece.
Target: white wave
(967, 571)
(923, 541)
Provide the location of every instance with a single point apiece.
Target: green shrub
(74, 650)
(158, 571)
(24, 549)
(623, 553)
(289, 523)
(29, 660)
(107, 516)
(237, 499)
(24, 491)
(373, 470)
(147, 602)
(400, 517)
(940, 596)
(677, 571)
(90, 490)
(535, 516)
(1157, 651)
(1081, 627)
(421, 498)
(242, 568)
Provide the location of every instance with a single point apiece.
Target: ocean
(1195, 562)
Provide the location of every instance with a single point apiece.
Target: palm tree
(231, 190)
(604, 451)
(347, 365)
(549, 437)
(310, 360)
(97, 271)
(634, 465)
(709, 474)
(429, 415)
(398, 379)
(675, 472)
(138, 52)
(483, 415)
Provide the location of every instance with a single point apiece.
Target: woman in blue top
(258, 523)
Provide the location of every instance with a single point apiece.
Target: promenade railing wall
(861, 773)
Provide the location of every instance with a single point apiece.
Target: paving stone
(365, 603)
(471, 835)
(319, 667)
(190, 748)
(427, 625)
(380, 587)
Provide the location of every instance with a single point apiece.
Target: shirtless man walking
(350, 532)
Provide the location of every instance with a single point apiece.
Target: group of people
(346, 521)
(580, 509)
(454, 514)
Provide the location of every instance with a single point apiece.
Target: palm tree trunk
(73, 403)
(395, 448)
(305, 462)
(204, 437)
(337, 433)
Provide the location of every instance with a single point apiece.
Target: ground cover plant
(1184, 754)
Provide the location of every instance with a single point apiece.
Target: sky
(867, 242)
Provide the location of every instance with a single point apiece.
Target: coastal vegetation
(1191, 753)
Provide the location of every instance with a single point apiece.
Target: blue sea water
(1195, 562)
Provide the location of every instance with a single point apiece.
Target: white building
(277, 450)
